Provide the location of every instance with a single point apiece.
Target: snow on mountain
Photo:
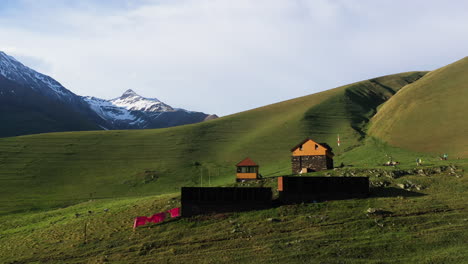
(132, 101)
(107, 110)
(14, 70)
(130, 107)
(129, 111)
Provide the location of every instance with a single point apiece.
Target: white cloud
(228, 56)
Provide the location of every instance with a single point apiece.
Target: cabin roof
(246, 162)
(307, 139)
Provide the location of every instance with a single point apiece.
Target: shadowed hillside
(429, 115)
(26, 111)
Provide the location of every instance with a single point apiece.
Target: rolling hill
(55, 184)
(64, 168)
(429, 115)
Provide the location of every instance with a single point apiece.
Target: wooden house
(247, 169)
(310, 156)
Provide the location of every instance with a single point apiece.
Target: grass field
(427, 226)
(53, 185)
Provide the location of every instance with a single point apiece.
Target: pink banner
(175, 212)
(139, 221)
(157, 218)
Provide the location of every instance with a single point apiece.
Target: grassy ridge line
(53, 167)
(430, 114)
(427, 226)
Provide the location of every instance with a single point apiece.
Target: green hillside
(56, 169)
(429, 115)
(412, 226)
(54, 185)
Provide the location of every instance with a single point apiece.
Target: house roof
(307, 139)
(246, 162)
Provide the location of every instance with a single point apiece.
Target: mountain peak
(135, 102)
(129, 92)
(7, 57)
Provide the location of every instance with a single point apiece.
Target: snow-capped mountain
(31, 102)
(132, 101)
(14, 70)
(134, 111)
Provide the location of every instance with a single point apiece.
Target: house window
(300, 147)
(316, 146)
(247, 169)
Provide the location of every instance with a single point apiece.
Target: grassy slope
(429, 115)
(428, 226)
(47, 170)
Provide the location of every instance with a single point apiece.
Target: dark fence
(206, 200)
(308, 189)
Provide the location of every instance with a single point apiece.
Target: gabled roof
(247, 162)
(307, 139)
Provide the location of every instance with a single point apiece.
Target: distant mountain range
(31, 102)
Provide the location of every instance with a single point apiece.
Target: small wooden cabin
(247, 169)
(310, 156)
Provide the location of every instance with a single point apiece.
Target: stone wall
(312, 163)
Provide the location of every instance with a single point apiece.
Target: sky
(223, 56)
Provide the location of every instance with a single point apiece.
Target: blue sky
(228, 56)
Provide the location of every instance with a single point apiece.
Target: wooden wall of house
(248, 176)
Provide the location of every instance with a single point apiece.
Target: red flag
(175, 212)
(139, 221)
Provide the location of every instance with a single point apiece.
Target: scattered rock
(377, 212)
(274, 220)
(402, 186)
(380, 183)
(378, 223)
(410, 186)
